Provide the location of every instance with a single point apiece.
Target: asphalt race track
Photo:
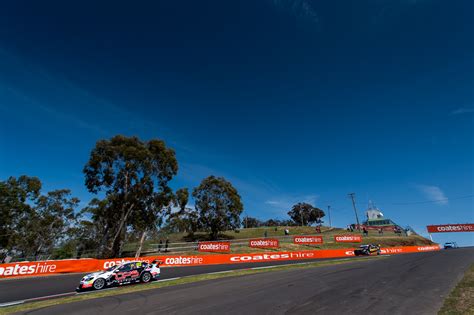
(12, 290)
(401, 284)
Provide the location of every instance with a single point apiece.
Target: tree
(182, 199)
(218, 204)
(134, 176)
(305, 214)
(32, 223)
(55, 219)
(97, 232)
(16, 198)
(272, 222)
(249, 222)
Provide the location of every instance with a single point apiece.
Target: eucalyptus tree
(218, 204)
(134, 176)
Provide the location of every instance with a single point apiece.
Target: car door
(123, 274)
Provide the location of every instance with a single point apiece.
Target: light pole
(329, 213)
(352, 195)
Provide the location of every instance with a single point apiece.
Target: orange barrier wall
(51, 267)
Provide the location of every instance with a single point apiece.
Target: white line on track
(11, 303)
(219, 272)
(38, 299)
(164, 280)
(170, 279)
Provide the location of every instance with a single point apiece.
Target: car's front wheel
(99, 284)
(146, 277)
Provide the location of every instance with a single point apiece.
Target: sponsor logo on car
(307, 240)
(214, 247)
(111, 263)
(348, 238)
(264, 243)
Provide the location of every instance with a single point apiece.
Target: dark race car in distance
(368, 250)
(126, 273)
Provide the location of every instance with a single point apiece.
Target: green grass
(184, 280)
(461, 299)
(388, 239)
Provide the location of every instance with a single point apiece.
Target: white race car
(126, 273)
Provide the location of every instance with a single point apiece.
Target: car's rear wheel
(146, 277)
(99, 284)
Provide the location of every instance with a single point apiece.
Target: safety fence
(51, 267)
(240, 244)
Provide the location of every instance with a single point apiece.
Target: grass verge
(163, 284)
(461, 299)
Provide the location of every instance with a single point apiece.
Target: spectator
(265, 234)
(364, 230)
(166, 245)
(160, 245)
(381, 231)
(287, 232)
(318, 229)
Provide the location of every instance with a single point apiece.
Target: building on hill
(377, 220)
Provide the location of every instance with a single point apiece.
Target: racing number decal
(128, 275)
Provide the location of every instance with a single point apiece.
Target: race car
(126, 273)
(368, 250)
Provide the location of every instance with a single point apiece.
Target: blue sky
(291, 100)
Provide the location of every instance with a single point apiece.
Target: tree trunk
(122, 223)
(139, 250)
(101, 250)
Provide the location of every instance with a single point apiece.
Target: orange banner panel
(264, 243)
(446, 228)
(214, 247)
(348, 238)
(307, 240)
(44, 268)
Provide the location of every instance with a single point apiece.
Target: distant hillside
(178, 244)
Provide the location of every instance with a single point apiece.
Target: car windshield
(111, 268)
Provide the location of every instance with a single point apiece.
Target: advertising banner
(446, 228)
(308, 240)
(348, 238)
(214, 247)
(264, 243)
(51, 267)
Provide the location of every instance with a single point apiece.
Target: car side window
(125, 268)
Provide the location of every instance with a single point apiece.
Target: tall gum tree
(135, 176)
(218, 204)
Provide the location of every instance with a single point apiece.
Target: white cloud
(463, 110)
(433, 193)
(286, 202)
(272, 202)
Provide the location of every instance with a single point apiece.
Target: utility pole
(329, 213)
(352, 195)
